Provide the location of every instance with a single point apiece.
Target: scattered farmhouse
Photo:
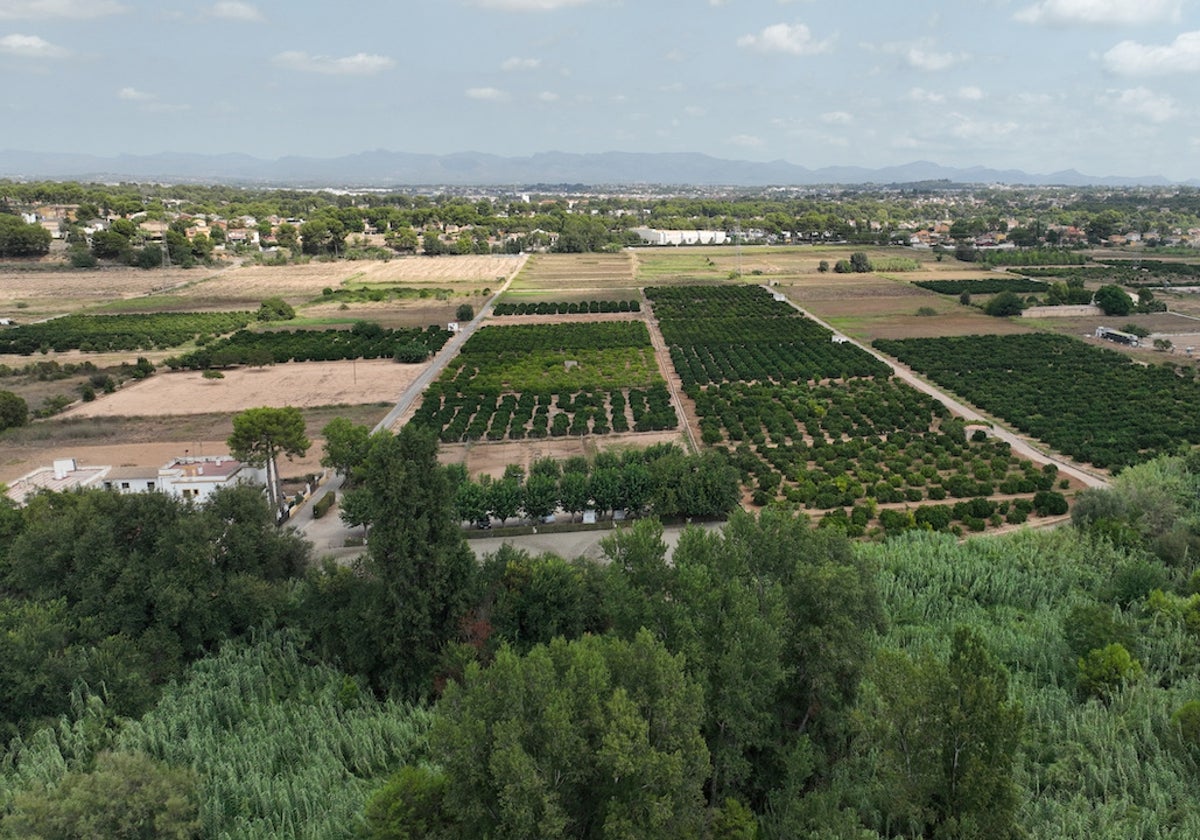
(194, 478)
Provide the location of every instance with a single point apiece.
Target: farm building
(199, 478)
(187, 478)
(1117, 336)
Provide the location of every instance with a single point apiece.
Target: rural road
(329, 533)
(1020, 445)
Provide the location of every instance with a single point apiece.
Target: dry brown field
(870, 306)
(491, 458)
(36, 294)
(302, 384)
(574, 277)
(302, 283)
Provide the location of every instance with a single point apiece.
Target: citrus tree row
(1127, 273)
(720, 301)
(108, 333)
(549, 380)
(489, 415)
(363, 341)
(523, 338)
(741, 333)
(1091, 403)
(988, 286)
(865, 441)
(566, 308)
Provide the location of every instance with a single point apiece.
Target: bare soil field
(298, 384)
(302, 283)
(599, 273)
(35, 294)
(769, 263)
(869, 306)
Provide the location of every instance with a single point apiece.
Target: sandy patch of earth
(301, 384)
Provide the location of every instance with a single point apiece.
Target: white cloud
(516, 63)
(1143, 102)
(530, 5)
(794, 39)
(673, 55)
(31, 46)
(970, 93)
(235, 10)
(59, 9)
(695, 111)
(132, 94)
(359, 64)
(1102, 12)
(923, 59)
(928, 96)
(837, 118)
(486, 94)
(1130, 58)
(971, 129)
(548, 96)
(746, 141)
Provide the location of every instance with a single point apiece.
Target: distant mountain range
(394, 169)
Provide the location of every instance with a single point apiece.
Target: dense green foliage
(767, 680)
(660, 480)
(104, 333)
(362, 341)
(14, 411)
(123, 590)
(1091, 403)
(594, 738)
(565, 308)
(18, 239)
(1004, 305)
(1032, 256)
(986, 286)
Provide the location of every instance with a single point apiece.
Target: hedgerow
(988, 286)
(566, 308)
(246, 347)
(109, 333)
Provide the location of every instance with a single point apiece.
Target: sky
(1107, 87)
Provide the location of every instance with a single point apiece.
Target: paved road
(571, 544)
(328, 534)
(1021, 445)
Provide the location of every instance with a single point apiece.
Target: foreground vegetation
(769, 680)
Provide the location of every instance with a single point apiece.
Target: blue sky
(1103, 86)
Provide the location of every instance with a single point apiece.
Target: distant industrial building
(654, 236)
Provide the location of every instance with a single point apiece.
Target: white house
(198, 478)
(186, 478)
(66, 474)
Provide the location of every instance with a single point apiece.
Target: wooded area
(187, 665)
